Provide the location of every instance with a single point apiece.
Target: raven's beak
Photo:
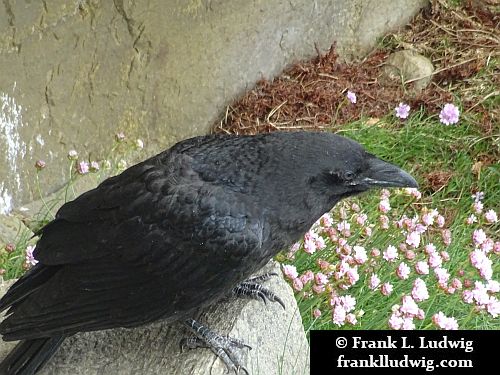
(383, 174)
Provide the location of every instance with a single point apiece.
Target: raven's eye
(349, 176)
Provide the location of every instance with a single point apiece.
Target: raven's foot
(252, 288)
(223, 346)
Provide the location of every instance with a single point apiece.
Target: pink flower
(320, 243)
(402, 110)
(449, 114)
(355, 207)
(468, 296)
(419, 291)
(442, 275)
(352, 97)
(361, 219)
(479, 236)
(408, 324)
(307, 277)
(435, 260)
(339, 315)
(374, 282)
(348, 302)
(396, 321)
(456, 283)
(443, 322)
(390, 254)
(478, 258)
(360, 255)
(445, 256)
(487, 245)
(493, 286)
(410, 255)
(480, 294)
(413, 192)
(496, 247)
(375, 252)
(493, 307)
(352, 276)
(478, 207)
(440, 221)
(491, 216)
(290, 271)
(309, 246)
(409, 307)
(332, 234)
(384, 222)
(384, 206)
(421, 314)
(386, 289)
(427, 219)
(40, 164)
(446, 235)
(482, 263)
(343, 226)
(451, 324)
(413, 239)
(422, 268)
(471, 219)
(30, 260)
(385, 194)
(351, 319)
(320, 278)
(323, 265)
(297, 284)
(430, 248)
(419, 228)
(316, 313)
(82, 167)
(450, 289)
(403, 271)
(342, 270)
(478, 196)
(318, 289)
(72, 155)
(326, 220)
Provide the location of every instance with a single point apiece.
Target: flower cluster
(414, 262)
(483, 293)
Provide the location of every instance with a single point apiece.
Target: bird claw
(252, 288)
(223, 346)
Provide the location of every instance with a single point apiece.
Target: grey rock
(12, 228)
(405, 66)
(277, 338)
(72, 73)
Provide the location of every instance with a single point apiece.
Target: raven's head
(344, 168)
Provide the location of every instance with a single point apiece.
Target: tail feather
(29, 356)
(27, 284)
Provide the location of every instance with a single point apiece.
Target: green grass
(420, 145)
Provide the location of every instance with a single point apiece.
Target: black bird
(178, 232)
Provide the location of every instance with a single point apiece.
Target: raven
(178, 232)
